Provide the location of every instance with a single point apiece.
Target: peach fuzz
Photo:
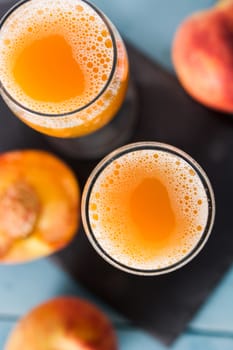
(39, 205)
(202, 55)
(65, 323)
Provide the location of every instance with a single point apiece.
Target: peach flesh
(64, 323)
(19, 209)
(202, 55)
(39, 205)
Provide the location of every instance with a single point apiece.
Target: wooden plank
(201, 342)
(131, 340)
(217, 313)
(25, 286)
(21, 289)
(128, 340)
(138, 340)
(5, 328)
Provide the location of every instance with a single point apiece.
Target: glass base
(111, 136)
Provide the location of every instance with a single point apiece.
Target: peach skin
(39, 205)
(64, 323)
(202, 55)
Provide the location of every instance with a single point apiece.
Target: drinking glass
(148, 208)
(106, 119)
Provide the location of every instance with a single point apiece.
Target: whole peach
(202, 55)
(65, 323)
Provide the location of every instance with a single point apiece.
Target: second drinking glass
(148, 208)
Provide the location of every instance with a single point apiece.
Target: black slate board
(162, 305)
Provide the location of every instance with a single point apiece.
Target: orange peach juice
(64, 65)
(146, 208)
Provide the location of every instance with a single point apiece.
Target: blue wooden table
(148, 24)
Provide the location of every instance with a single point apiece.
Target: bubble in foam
(116, 232)
(34, 20)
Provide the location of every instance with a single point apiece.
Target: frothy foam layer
(82, 29)
(110, 211)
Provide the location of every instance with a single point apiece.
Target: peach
(202, 55)
(39, 205)
(64, 323)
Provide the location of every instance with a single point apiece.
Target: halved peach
(39, 205)
(64, 323)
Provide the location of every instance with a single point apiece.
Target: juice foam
(148, 209)
(36, 42)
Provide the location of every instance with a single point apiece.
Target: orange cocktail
(63, 66)
(148, 208)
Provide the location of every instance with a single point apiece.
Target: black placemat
(162, 305)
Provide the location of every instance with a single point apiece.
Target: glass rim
(150, 145)
(106, 21)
